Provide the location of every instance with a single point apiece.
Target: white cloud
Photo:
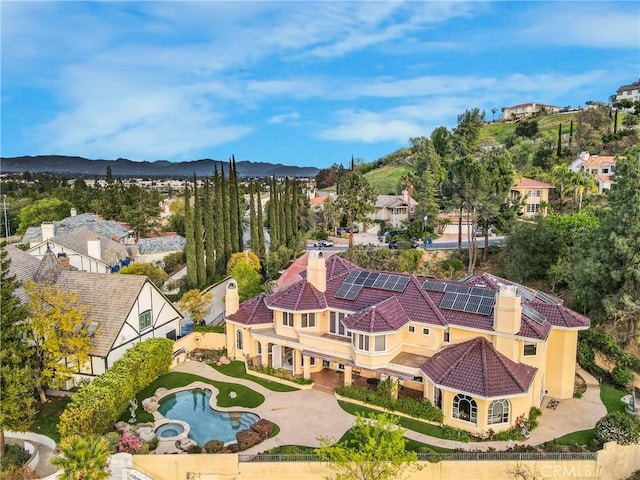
(284, 117)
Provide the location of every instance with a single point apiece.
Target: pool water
(192, 406)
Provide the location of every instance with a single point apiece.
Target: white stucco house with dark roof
(484, 350)
(123, 309)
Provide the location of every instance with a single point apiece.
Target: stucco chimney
(507, 319)
(317, 270)
(48, 230)
(231, 298)
(73, 212)
(93, 248)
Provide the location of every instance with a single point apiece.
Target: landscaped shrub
(96, 407)
(213, 446)
(14, 456)
(619, 427)
(129, 444)
(112, 439)
(247, 439)
(419, 408)
(451, 433)
(506, 435)
(622, 376)
(263, 427)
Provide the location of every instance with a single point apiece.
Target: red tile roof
(477, 368)
(301, 296)
(561, 316)
(387, 316)
(253, 312)
(599, 161)
(531, 183)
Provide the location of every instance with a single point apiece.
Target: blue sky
(297, 83)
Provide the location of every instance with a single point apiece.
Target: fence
(459, 456)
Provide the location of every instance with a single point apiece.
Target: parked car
(323, 243)
(342, 230)
(402, 244)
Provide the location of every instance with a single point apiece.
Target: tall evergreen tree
(198, 231)
(274, 221)
(219, 222)
(190, 248)
(260, 223)
(240, 207)
(253, 224)
(357, 199)
(282, 214)
(209, 232)
(559, 147)
(233, 208)
(17, 402)
(606, 277)
(226, 216)
(288, 206)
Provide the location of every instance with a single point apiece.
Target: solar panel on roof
(391, 281)
(433, 286)
(402, 284)
(352, 275)
(485, 309)
(447, 300)
(525, 294)
(533, 314)
(370, 281)
(353, 292)
(487, 301)
(483, 292)
(380, 281)
(460, 302)
(545, 298)
(473, 302)
(467, 303)
(361, 278)
(340, 293)
(456, 289)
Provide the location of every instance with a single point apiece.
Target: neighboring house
(154, 249)
(395, 209)
(85, 221)
(527, 110)
(601, 167)
(629, 92)
(87, 251)
(483, 350)
(533, 193)
(122, 309)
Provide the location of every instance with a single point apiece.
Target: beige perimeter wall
(614, 462)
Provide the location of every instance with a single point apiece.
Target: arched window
(239, 342)
(499, 411)
(465, 408)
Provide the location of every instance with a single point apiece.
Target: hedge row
(421, 408)
(95, 408)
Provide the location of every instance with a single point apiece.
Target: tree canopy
(356, 199)
(156, 274)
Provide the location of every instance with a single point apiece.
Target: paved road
(436, 245)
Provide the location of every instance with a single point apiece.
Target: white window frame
(533, 208)
(494, 418)
(239, 340)
(412, 329)
(336, 326)
(473, 408)
(530, 344)
(145, 320)
(376, 343)
(425, 331)
(287, 319)
(308, 320)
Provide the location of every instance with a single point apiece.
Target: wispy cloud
(284, 117)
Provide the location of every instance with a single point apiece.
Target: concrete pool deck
(304, 415)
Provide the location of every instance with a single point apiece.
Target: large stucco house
(484, 350)
(533, 196)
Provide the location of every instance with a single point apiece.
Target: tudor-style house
(484, 350)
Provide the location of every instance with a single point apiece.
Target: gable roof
(111, 252)
(104, 228)
(391, 201)
(169, 243)
(599, 161)
(477, 368)
(23, 266)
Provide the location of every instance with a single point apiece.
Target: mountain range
(79, 166)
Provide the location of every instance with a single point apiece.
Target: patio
(328, 380)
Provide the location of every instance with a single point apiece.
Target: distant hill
(79, 166)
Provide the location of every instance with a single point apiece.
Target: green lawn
(387, 179)
(408, 423)
(236, 369)
(611, 398)
(246, 397)
(46, 421)
(582, 437)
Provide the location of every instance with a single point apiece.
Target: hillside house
(533, 194)
(484, 350)
(629, 92)
(600, 166)
(395, 210)
(525, 110)
(122, 309)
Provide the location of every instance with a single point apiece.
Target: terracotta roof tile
(477, 368)
(387, 316)
(301, 296)
(531, 183)
(253, 312)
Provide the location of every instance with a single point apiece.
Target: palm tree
(83, 459)
(561, 177)
(584, 183)
(493, 114)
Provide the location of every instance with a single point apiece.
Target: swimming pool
(192, 406)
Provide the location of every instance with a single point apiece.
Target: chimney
(48, 230)
(231, 298)
(507, 319)
(317, 270)
(93, 248)
(73, 212)
(64, 261)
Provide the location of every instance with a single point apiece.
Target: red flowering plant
(129, 443)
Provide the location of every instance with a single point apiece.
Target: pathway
(305, 414)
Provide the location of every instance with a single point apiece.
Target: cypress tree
(282, 213)
(287, 206)
(190, 249)
(233, 209)
(253, 224)
(559, 149)
(198, 234)
(219, 222)
(227, 221)
(240, 206)
(260, 224)
(295, 218)
(209, 233)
